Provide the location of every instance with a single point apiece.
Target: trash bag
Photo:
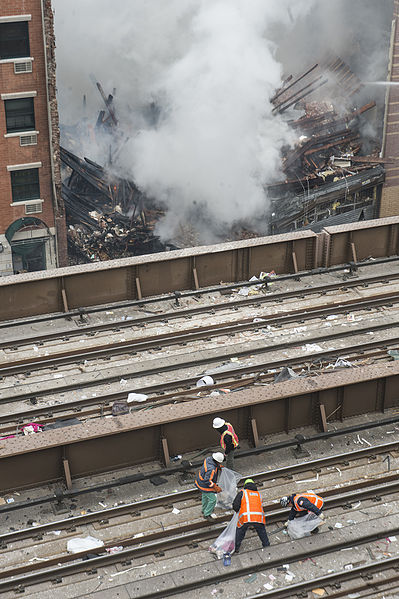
(77, 544)
(226, 541)
(303, 526)
(227, 481)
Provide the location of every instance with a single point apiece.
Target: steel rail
(138, 506)
(184, 466)
(19, 577)
(234, 371)
(278, 296)
(337, 577)
(103, 401)
(188, 335)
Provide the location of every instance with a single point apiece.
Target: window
(20, 115)
(25, 185)
(14, 40)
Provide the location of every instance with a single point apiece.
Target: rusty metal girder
(104, 444)
(153, 274)
(156, 274)
(357, 241)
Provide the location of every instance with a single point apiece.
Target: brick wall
(10, 150)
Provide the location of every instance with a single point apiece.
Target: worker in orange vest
(206, 482)
(302, 504)
(228, 440)
(248, 504)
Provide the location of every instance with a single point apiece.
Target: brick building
(32, 219)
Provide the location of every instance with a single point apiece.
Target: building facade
(32, 217)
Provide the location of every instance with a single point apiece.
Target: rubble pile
(106, 219)
(114, 236)
(330, 171)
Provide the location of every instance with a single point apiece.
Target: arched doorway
(29, 238)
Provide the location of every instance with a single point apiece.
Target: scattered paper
(136, 397)
(268, 586)
(83, 544)
(175, 511)
(112, 550)
(339, 525)
(319, 592)
(312, 347)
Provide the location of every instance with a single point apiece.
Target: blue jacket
(208, 475)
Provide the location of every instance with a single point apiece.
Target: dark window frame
(25, 185)
(14, 40)
(19, 119)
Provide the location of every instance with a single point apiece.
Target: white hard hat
(218, 422)
(218, 456)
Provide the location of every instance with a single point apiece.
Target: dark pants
(260, 530)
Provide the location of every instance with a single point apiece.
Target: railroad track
(182, 535)
(257, 301)
(61, 495)
(199, 333)
(236, 372)
(364, 574)
(180, 389)
(55, 569)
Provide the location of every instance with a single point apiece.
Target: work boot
(237, 550)
(315, 531)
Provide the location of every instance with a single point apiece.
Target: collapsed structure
(331, 179)
(333, 173)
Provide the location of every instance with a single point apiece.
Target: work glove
(286, 523)
(217, 489)
(322, 517)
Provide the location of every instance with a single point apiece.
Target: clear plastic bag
(226, 541)
(227, 481)
(303, 526)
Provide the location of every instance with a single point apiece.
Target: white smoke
(210, 68)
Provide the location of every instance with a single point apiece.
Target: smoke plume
(193, 81)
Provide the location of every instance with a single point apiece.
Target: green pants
(208, 502)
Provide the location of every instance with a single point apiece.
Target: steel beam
(104, 444)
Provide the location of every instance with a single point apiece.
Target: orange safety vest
(204, 482)
(312, 497)
(251, 509)
(231, 431)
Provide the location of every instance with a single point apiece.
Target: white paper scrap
(136, 397)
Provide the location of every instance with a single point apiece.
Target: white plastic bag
(83, 544)
(227, 481)
(226, 541)
(303, 526)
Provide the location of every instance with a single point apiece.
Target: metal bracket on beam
(195, 275)
(138, 288)
(165, 451)
(323, 418)
(255, 435)
(64, 300)
(354, 253)
(295, 262)
(67, 473)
